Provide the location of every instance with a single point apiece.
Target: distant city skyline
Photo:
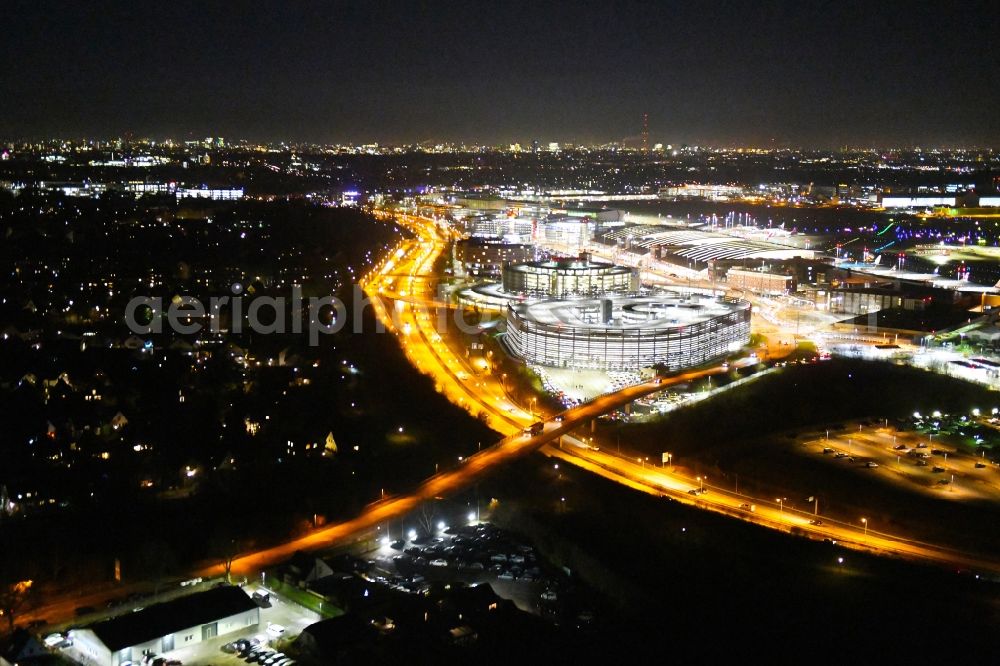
(784, 74)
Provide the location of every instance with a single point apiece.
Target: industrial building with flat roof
(697, 248)
(167, 626)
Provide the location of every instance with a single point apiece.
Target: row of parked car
(470, 549)
(253, 651)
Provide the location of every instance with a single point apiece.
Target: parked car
(251, 656)
(263, 652)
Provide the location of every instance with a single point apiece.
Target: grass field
(671, 582)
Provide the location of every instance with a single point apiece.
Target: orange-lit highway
(405, 280)
(432, 355)
(769, 513)
(450, 481)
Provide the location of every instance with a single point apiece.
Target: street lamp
(781, 504)
(864, 521)
(701, 482)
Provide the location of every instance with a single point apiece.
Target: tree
(224, 546)
(12, 598)
(426, 516)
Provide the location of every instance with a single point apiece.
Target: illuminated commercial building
(564, 277)
(569, 230)
(627, 333)
(917, 201)
(216, 194)
(698, 248)
(504, 227)
(485, 258)
(760, 282)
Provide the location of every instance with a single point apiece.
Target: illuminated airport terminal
(627, 333)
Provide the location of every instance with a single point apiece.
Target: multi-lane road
(450, 481)
(769, 512)
(482, 393)
(477, 392)
(402, 293)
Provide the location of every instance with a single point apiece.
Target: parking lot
(471, 554)
(910, 459)
(289, 615)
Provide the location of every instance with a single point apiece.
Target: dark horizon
(722, 74)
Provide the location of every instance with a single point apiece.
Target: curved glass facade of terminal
(627, 333)
(561, 278)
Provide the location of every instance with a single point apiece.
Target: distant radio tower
(645, 132)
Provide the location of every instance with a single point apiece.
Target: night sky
(745, 73)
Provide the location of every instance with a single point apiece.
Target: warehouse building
(167, 626)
